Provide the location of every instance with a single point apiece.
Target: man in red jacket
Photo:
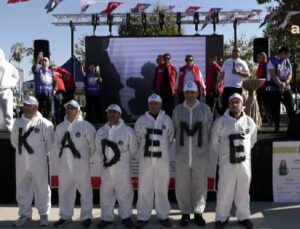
(190, 73)
(164, 83)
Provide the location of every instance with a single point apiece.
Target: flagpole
(73, 72)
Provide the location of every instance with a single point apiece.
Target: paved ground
(264, 215)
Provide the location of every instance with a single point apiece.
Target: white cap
(114, 107)
(30, 100)
(72, 103)
(154, 98)
(45, 58)
(236, 96)
(190, 86)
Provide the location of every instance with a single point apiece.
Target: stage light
(110, 21)
(178, 22)
(196, 21)
(128, 22)
(215, 20)
(161, 21)
(144, 22)
(95, 22)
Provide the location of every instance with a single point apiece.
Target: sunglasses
(189, 60)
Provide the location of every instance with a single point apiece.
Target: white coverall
(74, 172)
(234, 178)
(154, 170)
(116, 180)
(32, 168)
(9, 77)
(192, 156)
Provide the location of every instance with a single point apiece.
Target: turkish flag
(192, 9)
(16, 1)
(111, 7)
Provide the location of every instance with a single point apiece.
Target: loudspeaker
(41, 46)
(293, 129)
(260, 44)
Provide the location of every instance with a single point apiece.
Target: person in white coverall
(116, 144)
(155, 132)
(9, 77)
(192, 121)
(232, 137)
(74, 144)
(32, 137)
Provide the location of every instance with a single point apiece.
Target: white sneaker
(44, 220)
(21, 221)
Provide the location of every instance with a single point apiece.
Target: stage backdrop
(127, 66)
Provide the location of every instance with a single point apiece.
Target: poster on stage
(286, 171)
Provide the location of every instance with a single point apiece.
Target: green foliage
(80, 49)
(151, 30)
(17, 52)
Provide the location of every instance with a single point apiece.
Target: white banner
(286, 171)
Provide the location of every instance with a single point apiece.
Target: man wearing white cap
(192, 121)
(154, 132)
(9, 77)
(232, 137)
(32, 137)
(74, 144)
(116, 143)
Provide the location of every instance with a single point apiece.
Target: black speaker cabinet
(41, 46)
(260, 44)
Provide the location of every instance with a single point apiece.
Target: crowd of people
(175, 116)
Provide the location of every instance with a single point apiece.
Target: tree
(80, 49)
(18, 51)
(150, 30)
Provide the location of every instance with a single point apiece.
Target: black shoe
(103, 224)
(220, 224)
(140, 224)
(166, 222)
(87, 222)
(127, 223)
(62, 222)
(198, 219)
(184, 221)
(246, 223)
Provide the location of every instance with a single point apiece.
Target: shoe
(198, 219)
(140, 224)
(44, 220)
(87, 222)
(127, 222)
(103, 224)
(21, 221)
(166, 222)
(246, 223)
(184, 221)
(62, 222)
(220, 224)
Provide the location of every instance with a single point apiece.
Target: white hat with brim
(235, 96)
(190, 86)
(154, 98)
(72, 103)
(31, 100)
(114, 107)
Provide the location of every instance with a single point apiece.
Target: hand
(235, 71)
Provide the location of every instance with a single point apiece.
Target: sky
(28, 21)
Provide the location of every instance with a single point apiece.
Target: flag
(208, 17)
(168, 8)
(51, 5)
(269, 17)
(140, 7)
(288, 18)
(16, 1)
(252, 14)
(111, 6)
(85, 4)
(192, 9)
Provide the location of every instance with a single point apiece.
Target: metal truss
(222, 17)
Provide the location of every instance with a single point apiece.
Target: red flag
(192, 9)
(111, 7)
(16, 1)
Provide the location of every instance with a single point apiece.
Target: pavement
(266, 215)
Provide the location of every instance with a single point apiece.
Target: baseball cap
(236, 96)
(31, 100)
(154, 98)
(45, 58)
(114, 107)
(72, 103)
(190, 86)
